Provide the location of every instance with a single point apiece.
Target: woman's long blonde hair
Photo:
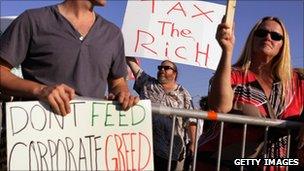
(281, 64)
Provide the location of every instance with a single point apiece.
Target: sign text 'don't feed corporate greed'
(181, 31)
(96, 135)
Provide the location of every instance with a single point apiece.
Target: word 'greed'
(147, 40)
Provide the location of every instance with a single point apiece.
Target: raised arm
(58, 96)
(132, 63)
(221, 94)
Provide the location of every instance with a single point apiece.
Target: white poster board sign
(96, 135)
(181, 31)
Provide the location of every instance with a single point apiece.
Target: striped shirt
(250, 99)
(149, 88)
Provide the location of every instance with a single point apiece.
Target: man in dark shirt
(65, 49)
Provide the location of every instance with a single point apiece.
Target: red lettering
(119, 152)
(163, 26)
(144, 44)
(183, 32)
(126, 149)
(203, 53)
(152, 5)
(186, 33)
(166, 50)
(178, 9)
(139, 151)
(177, 50)
(124, 144)
(202, 13)
(132, 150)
(174, 30)
(106, 152)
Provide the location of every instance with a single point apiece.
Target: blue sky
(196, 79)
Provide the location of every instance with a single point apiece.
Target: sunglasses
(164, 67)
(263, 33)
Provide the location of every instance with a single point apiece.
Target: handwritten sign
(96, 135)
(181, 31)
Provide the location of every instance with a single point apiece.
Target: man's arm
(118, 90)
(132, 63)
(58, 96)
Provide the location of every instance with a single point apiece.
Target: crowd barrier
(223, 118)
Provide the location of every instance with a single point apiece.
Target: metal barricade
(222, 118)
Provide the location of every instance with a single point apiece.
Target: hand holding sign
(225, 30)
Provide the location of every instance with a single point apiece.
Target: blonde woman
(262, 83)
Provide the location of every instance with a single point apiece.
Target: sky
(196, 79)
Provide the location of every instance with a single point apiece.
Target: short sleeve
(234, 76)
(119, 65)
(15, 40)
(188, 100)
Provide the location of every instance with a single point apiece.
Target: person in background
(165, 90)
(64, 50)
(262, 83)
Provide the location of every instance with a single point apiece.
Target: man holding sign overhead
(165, 91)
(64, 50)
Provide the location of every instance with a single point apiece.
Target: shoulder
(183, 90)
(36, 15)
(237, 71)
(240, 76)
(108, 26)
(39, 12)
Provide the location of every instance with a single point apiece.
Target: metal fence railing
(222, 118)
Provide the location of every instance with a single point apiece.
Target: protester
(167, 92)
(261, 83)
(64, 50)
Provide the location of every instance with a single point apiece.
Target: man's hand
(125, 99)
(58, 96)
(119, 91)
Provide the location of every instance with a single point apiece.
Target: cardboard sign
(96, 135)
(230, 10)
(181, 31)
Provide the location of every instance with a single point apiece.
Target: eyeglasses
(263, 33)
(164, 67)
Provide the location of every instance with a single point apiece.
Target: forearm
(119, 88)
(15, 86)
(118, 85)
(221, 94)
(132, 63)
(192, 132)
